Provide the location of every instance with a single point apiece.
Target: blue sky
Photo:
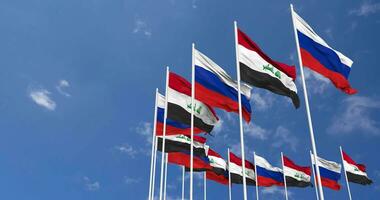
(78, 78)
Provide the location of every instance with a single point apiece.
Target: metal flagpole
(153, 145)
(345, 173)
(240, 111)
(204, 186)
(229, 176)
(183, 182)
(166, 174)
(315, 178)
(154, 167)
(314, 148)
(256, 176)
(283, 172)
(192, 120)
(164, 133)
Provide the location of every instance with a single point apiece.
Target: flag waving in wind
(356, 173)
(330, 172)
(258, 69)
(317, 55)
(217, 89)
(296, 176)
(267, 175)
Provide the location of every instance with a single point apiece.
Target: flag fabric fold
(355, 173)
(236, 170)
(172, 127)
(217, 89)
(296, 176)
(218, 173)
(182, 143)
(179, 105)
(259, 70)
(317, 55)
(267, 175)
(200, 162)
(330, 173)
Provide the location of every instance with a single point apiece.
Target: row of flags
(188, 109)
(260, 171)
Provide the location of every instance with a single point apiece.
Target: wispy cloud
(356, 116)
(42, 98)
(130, 180)
(91, 185)
(316, 83)
(366, 8)
(145, 130)
(256, 131)
(194, 4)
(262, 100)
(283, 137)
(127, 149)
(62, 85)
(218, 127)
(141, 27)
(271, 191)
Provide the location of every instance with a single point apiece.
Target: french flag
(217, 89)
(329, 171)
(267, 175)
(317, 55)
(172, 127)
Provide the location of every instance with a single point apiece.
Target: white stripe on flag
(298, 175)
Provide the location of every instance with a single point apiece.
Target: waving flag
(317, 55)
(217, 89)
(329, 171)
(236, 170)
(182, 143)
(172, 127)
(179, 105)
(218, 172)
(356, 173)
(267, 175)
(258, 69)
(296, 176)
(200, 163)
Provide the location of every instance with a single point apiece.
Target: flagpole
(256, 176)
(166, 174)
(229, 177)
(153, 144)
(204, 186)
(283, 173)
(240, 111)
(192, 120)
(314, 148)
(154, 167)
(164, 133)
(183, 182)
(315, 178)
(345, 173)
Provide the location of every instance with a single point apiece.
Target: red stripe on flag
(289, 163)
(267, 182)
(337, 79)
(237, 160)
(245, 41)
(217, 178)
(170, 130)
(349, 160)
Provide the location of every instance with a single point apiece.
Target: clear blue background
(94, 144)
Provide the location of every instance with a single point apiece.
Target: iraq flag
(259, 70)
(179, 105)
(355, 173)
(182, 143)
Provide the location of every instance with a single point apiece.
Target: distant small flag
(330, 173)
(258, 69)
(356, 173)
(217, 89)
(296, 176)
(179, 105)
(317, 55)
(172, 127)
(236, 170)
(218, 173)
(267, 175)
(182, 143)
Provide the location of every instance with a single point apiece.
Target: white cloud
(129, 180)
(256, 131)
(62, 84)
(194, 4)
(366, 8)
(275, 191)
(218, 127)
(127, 149)
(91, 185)
(329, 33)
(145, 129)
(283, 137)
(315, 82)
(41, 97)
(262, 101)
(356, 116)
(141, 27)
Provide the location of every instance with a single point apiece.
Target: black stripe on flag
(292, 182)
(355, 178)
